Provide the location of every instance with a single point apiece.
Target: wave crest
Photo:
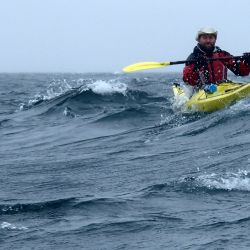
(239, 181)
(208, 183)
(58, 88)
(9, 226)
(34, 207)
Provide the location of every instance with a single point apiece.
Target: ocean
(109, 161)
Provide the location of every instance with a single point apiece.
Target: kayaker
(201, 72)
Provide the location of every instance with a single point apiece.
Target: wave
(208, 183)
(101, 202)
(135, 113)
(9, 226)
(132, 96)
(73, 203)
(215, 225)
(101, 100)
(202, 123)
(3, 121)
(133, 223)
(229, 181)
(60, 88)
(107, 87)
(117, 227)
(34, 207)
(92, 92)
(106, 101)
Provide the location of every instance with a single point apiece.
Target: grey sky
(105, 35)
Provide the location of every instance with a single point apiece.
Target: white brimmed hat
(206, 30)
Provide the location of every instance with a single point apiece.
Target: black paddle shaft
(209, 59)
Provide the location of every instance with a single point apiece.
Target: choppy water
(107, 161)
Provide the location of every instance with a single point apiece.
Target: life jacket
(215, 71)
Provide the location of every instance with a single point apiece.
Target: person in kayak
(201, 72)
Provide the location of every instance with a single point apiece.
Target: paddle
(152, 65)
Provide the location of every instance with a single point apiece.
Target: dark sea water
(107, 161)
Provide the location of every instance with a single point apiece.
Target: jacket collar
(198, 49)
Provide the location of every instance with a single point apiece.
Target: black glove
(201, 61)
(246, 58)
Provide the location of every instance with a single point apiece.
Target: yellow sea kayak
(227, 94)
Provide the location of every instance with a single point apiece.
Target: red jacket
(216, 71)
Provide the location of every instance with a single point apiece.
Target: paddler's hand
(246, 58)
(201, 61)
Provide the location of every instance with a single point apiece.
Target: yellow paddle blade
(145, 65)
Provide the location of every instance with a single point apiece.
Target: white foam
(180, 100)
(107, 87)
(68, 112)
(7, 225)
(228, 181)
(56, 88)
(241, 105)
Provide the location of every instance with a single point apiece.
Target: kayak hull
(227, 94)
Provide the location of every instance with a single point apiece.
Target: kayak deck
(227, 94)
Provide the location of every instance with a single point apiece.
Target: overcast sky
(105, 35)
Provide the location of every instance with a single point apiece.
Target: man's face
(207, 40)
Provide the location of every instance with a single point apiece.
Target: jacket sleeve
(190, 75)
(238, 67)
(190, 72)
